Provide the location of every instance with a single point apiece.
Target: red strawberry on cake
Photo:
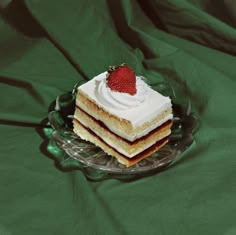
(120, 113)
(122, 79)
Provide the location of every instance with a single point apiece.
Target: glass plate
(98, 165)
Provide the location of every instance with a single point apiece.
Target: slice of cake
(121, 114)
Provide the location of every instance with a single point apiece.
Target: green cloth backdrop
(48, 46)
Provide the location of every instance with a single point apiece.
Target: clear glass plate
(98, 165)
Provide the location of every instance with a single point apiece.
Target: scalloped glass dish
(101, 165)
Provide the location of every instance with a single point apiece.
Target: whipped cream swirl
(120, 100)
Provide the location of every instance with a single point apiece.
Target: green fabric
(48, 46)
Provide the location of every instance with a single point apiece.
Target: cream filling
(140, 134)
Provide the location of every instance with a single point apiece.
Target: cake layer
(126, 147)
(88, 135)
(119, 125)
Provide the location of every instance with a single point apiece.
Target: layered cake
(121, 114)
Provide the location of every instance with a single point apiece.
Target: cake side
(86, 134)
(124, 146)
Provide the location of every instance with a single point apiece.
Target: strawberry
(122, 79)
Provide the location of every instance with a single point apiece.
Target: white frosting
(118, 100)
(145, 105)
